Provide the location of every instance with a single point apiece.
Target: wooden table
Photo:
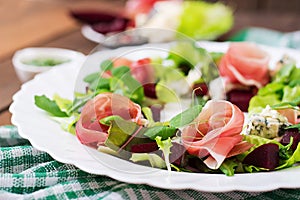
(48, 24)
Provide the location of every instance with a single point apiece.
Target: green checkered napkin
(27, 173)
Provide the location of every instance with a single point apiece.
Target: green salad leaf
(106, 65)
(281, 91)
(163, 131)
(165, 94)
(49, 105)
(165, 147)
(154, 159)
(206, 21)
(291, 160)
(123, 134)
(228, 167)
(67, 123)
(186, 117)
(290, 93)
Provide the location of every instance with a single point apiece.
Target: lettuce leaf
(290, 93)
(154, 159)
(67, 123)
(202, 20)
(228, 167)
(258, 103)
(165, 94)
(165, 147)
(294, 158)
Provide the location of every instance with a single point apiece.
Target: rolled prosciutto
(245, 63)
(215, 133)
(88, 128)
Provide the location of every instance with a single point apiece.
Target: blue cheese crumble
(268, 124)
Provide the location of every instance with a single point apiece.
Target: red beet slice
(156, 112)
(240, 98)
(92, 16)
(293, 132)
(116, 25)
(177, 155)
(149, 90)
(265, 156)
(144, 148)
(201, 89)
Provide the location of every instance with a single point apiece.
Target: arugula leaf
(293, 126)
(79, 102)
(165, 147)
(119, 72)
(91, 77)
(123, 134)
(163, 131)
(106, 65)
(154, 159)
(127, 86)
(49, 105)
(185, 117)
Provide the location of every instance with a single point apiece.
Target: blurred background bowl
(30, 61)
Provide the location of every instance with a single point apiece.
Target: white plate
(90, 34)
(46, 135)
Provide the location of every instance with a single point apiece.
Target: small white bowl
(26, 71)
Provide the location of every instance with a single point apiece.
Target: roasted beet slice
(265, 156)
(293, 132)
(149, 90)
(240, 98)
(92, 16)
(116, 25)
(177, 155)
(201, 89)
(144, 148)
(156, 109)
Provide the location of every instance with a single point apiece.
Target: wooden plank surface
(5, 118)
(30, 23)
(39, 23)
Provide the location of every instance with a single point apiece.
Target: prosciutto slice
(290, 114)
(245, 63)
(215, 133)
(88, 128)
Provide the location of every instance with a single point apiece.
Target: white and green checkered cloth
(27, 173)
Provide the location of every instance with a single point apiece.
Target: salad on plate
(199, 20)
(186, 111)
